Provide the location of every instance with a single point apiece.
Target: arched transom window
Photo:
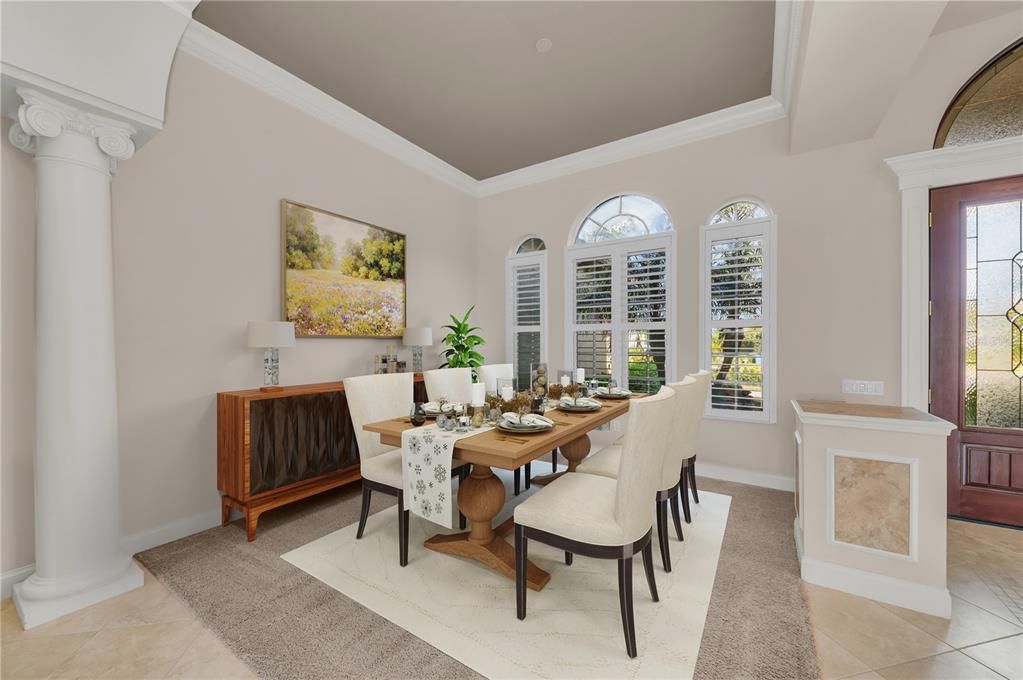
(533, 244)
(620, 292)
(990, 105)
(625, 216)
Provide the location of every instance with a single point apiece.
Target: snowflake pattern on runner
(426, 461)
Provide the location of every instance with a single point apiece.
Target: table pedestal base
(574, 452)
(480, 497)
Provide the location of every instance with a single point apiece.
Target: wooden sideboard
(274, 448)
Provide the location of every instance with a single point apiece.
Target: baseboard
(799, 539)
(921, 598)
(728, 473)
(172, 531)
(9, 578)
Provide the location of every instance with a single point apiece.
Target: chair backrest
(454, 384)
(687, 411)
(639, 473)
(489, 373)
(703, 380)
(376, 397)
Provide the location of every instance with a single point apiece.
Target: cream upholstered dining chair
(687, 406)
(488, 374)
(602, 517)
(373, 398)
(688, 475)
(451, 384)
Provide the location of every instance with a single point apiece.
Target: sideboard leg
(251, 518)
(225, 511)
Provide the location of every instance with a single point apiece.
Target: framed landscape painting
(342, 278)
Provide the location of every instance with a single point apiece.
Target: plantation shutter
(526, 311)
(737, 322)
(646, 316)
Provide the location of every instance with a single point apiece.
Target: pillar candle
(565, 381)
(507, 393)
(580, 375)
(479, 394)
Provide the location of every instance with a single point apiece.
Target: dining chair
(488, 374)
(601, 517)
(453, 384)
(688, 474)
(687, 405)
(373, 398)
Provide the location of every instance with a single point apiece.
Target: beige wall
(196, 256)
(838, 236)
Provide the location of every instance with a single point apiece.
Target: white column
(77, 489)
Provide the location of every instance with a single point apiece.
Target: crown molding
(223, 53)
(226, 55)
(959, 164)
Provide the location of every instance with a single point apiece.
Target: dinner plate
(505, 426)
(612, 396)
(578, 409)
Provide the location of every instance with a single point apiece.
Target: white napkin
(582, 401)
(528, 419)
(434, 407)
(617, 390)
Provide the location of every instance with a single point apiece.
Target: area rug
(286, 624)
(573, 628)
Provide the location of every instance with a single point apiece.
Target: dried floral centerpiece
(520, 405)
(574, 391)
(554, 392)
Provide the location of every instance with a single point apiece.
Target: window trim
(511, 328)
(765, 227)
(617, 249)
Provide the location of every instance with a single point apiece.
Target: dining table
(481, 495)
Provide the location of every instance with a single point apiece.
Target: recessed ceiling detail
(471, 82)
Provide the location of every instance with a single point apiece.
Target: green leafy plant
(462, 342)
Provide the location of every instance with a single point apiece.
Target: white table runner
(426, 471)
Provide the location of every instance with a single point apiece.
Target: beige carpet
(284, 623)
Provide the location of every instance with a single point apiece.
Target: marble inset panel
(872, 503)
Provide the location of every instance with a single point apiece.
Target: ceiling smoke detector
(544, 45)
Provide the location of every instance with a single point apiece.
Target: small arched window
(739, 211)
(532, 244)
(989, 106)
(626, 216)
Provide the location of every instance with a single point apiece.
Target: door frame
(918, 173)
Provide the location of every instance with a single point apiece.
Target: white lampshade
(417, 337)
(271, 334)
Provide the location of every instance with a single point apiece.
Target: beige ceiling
(464, 80)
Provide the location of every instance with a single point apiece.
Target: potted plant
(462, 342)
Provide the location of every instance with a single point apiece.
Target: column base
(35, 612)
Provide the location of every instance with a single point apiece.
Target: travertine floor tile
(969, 624)
(208, 659)
(868, 631)
(1004, 656)
(834, 661)
(40, 656)
(869, 675)
(950, 666)
(134, 653)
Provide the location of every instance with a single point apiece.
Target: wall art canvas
(342, 278)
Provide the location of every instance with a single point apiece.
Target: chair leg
(521, 546)
(463, 474)
(568, 558)
(675, 516)
(403, 519)
(554, 460)
(364, 515)
(684, 492)
(692, 479)
(518, 480)
(662, 534)
(648, 567)
(625, 600)
(529, 475)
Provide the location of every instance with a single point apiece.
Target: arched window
(620, 307)
(989, 106)
(532, 244)
(737, 286)
(526, 309)
(623, 217)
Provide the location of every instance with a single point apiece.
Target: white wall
(838, 232)
(196, 255)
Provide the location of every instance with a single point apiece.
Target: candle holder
(477, 416)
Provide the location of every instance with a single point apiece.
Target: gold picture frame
(341, 277)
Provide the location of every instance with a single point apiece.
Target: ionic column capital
(44, 116)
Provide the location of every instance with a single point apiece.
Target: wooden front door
(976, 357)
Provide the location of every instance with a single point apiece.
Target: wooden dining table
(481, 495)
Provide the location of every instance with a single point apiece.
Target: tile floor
(866, 640)
(146, 633)
(150, 633)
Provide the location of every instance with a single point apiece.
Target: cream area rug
(573, 628)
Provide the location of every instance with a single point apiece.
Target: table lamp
(417, 338)
(271, 335)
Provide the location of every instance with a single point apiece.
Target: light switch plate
(868, 388)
